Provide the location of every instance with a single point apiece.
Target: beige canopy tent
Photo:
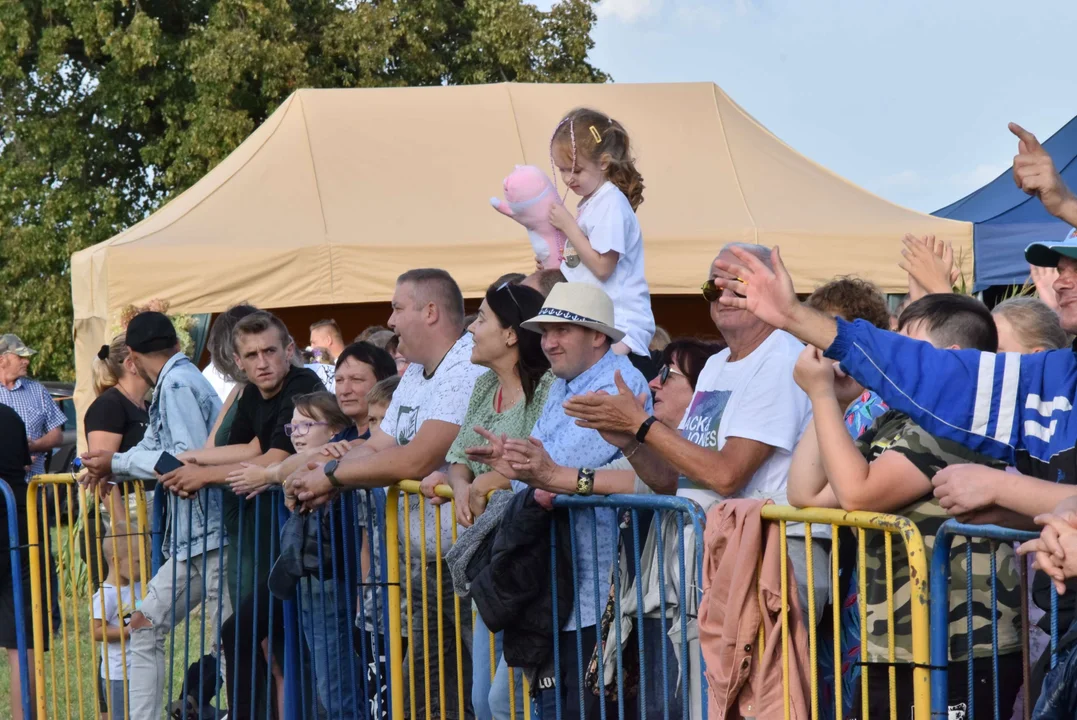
(340, 191)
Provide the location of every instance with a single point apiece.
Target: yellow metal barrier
(862, 522)
(76, 682)
(395, 493)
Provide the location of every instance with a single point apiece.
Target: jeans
(166, 603)
(327, 629)
(117, 699)
(491, 698)
(242, 636)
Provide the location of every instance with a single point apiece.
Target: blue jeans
(327, 628)
(491, 699)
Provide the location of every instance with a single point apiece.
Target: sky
(908, 99)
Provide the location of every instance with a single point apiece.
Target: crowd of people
(561, 384)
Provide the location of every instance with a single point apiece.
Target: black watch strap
(330, 469)
(641, 434)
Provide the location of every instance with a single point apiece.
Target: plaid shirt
(39, 412)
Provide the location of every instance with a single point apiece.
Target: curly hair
(852, 298)
(595, 135)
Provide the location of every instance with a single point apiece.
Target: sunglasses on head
(507, 287)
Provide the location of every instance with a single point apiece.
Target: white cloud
(628, 11)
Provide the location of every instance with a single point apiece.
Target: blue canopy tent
(1006, 220)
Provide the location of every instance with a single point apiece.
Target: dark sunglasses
(712, 292)
(666, 371)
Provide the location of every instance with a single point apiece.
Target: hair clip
(596, 135)
(103, 353)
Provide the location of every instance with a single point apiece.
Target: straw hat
(577, 304)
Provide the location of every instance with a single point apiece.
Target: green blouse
(516, 422)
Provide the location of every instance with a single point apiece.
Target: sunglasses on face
(666, 371)
(300, 429)
(712, 292)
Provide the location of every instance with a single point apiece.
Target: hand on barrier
(98, 464)
(311, 487)
(930, 265)
(529, 459)
(622, 413)
(426, 487)
(1056, 548)
(477, 495)
(964, 489)
(545, 498)
(251, 481)
(1035, 173)
(185, 481)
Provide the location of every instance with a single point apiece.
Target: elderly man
(183, 409)
(577, 326)
(737, 438)
(418, 429)
(43, 419)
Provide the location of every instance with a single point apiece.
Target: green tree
(110, 107)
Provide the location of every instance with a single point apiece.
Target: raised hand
(767, 294)
(1044, 280)
(619, 414)
(1035, 173)
(930, 265)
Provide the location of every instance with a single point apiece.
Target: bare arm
(224, 455)
(808, 486)
(724, 471)
(52, 439)
(601, 265)
(108, 633)
(369, 467)
(104, 441)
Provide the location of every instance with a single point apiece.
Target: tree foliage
(110, 107)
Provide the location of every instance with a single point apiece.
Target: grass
(72, 666)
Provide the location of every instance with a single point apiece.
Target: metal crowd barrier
(16, 547)
(241, 650)
(62, 540)
(681, 696)
(862, 523)
(424, 596)
(995, 536)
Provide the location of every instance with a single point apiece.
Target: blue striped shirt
(39, 412)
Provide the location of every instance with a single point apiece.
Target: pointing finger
(1031, 144)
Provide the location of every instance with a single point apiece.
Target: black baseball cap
(151, 331)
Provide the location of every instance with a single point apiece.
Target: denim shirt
(182, 412)
(573, 446)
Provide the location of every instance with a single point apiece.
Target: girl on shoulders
(592, 153)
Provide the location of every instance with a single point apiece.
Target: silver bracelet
(629, 455)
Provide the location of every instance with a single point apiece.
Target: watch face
(330, 467)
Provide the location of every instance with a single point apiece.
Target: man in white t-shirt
(738, 435)
(419, 427)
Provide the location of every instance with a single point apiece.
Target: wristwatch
(641, 434)
(329, 469)
(585, 481)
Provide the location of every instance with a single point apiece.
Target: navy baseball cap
(151, 331)
(1046, 254)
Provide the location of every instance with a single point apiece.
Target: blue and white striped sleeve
(995, 404)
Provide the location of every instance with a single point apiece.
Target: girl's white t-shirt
(608, 221)
(132, 598)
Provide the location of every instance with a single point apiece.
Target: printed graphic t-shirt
(754, 398)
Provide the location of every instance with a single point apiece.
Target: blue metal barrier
(15, 545)
(647, 512)
(940, 615)
(332, 627)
